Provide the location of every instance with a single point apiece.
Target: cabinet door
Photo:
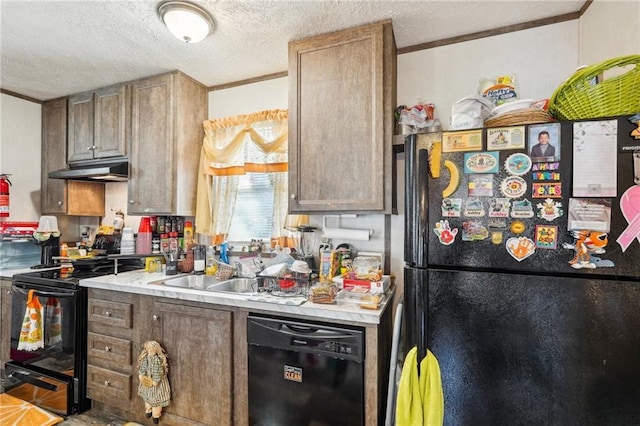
(54, 156)
(339, 112)
(5, 321)
(81, 143)
(151, 180)
(111, 122)
(198, 342)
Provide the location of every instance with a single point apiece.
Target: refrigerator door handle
(636, 167)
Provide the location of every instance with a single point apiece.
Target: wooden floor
(95, 418)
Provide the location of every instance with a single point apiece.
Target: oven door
(51, 393)
(59, 326)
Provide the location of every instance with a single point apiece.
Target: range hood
(105, 170)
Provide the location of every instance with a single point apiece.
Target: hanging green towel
(420, 400)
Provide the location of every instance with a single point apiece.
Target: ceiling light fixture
(187, 21)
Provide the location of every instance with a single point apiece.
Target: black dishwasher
(303, 373)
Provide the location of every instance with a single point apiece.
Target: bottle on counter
(188, 233)
(164, 243)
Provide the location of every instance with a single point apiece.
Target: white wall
(609, 29)
(20, 142)
(539, 58)
(250, 98)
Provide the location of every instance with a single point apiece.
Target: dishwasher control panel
(315, 338)
(327, 347)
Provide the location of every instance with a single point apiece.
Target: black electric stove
(70, 276)
(56, 368)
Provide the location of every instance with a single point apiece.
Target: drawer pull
(155, 317)
(107, 383)
(107, 313)
(107, 348)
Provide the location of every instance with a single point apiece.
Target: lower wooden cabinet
(198, 343)
(111, 339)
(197, 338)
(206, 348)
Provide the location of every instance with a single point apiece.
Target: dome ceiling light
(187, 21)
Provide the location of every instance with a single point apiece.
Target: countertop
(139, 282)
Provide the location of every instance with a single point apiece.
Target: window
(253, 213)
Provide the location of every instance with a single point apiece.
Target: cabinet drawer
(109, 348)
(116, 314)
(103, 383)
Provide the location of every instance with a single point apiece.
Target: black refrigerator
(515, 273)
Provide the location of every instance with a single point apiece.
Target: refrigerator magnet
(585, 245)
(513, 187)
(474, 208)
(630, 207)
(522, 209)
(545, 176)
(496, 237)
(452, 207)
(518, 164)
(446, 235)
(499, 138)
(520, 248)
(549, 210)
(547, 190)
(480, 185)
(499, 207)
(474, 231)
(470, 140)
(546, 237)
(481, 162)
(517, 227)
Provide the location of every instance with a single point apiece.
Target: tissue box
(375, 287)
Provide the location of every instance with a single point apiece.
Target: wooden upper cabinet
(60, 196)
(54, 156)
(98, 123)
(342, 93)
(167, 113)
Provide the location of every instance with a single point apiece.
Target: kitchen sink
(210, 283)
(188, 281)
(235, 285)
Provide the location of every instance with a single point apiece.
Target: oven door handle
(22, 290)
(33, 381)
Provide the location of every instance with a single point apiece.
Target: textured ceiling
(57, 48)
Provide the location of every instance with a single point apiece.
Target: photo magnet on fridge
(544, 142)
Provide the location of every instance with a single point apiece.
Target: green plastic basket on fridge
(587, 95)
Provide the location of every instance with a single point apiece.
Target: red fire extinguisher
(4, 195)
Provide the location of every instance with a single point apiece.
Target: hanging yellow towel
(420, 400)
(53, 321)
(31, 337)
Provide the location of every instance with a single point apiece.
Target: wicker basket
(583, 95)
(522, 116)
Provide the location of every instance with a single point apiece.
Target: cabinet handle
(107, 383)
(293, 196)
(131, 201)
(59, 203)
(107, 313)
(107, 348)
(93, 147)
(155, 318)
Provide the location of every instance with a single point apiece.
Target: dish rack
(294, 284)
